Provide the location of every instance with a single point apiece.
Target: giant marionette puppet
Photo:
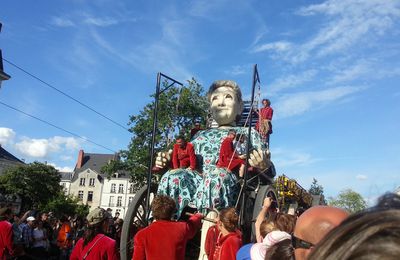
(210, 186)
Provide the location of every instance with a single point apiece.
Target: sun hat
(30, 218)
(258, 250)
(97, 215)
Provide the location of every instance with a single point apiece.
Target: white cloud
(346, 25)
(286, 158)
(361, 177)
(101, 22)
(163, 55)
(238, 70)
(42, 148)
(62, 169)
(279, 46)
(295, 104)
(62, 22)
(294, 80)
(6, 135)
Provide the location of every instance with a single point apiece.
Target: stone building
(93, 188)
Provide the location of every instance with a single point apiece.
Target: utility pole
(3, 75)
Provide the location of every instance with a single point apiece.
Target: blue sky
(330, 68)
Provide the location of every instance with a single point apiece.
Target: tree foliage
(315, 188)
(35, 183)
(348, 200)
(66, 205)
(177, 109)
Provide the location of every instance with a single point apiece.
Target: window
(63, 184)
(130, 199)
(113, 187)
(119, 201)
(121, 188)
(91, 182)
(82, 182)
(80, 195)
(111, 201)
(90, 196)
(131, 189)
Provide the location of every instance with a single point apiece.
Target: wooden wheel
(135, 219)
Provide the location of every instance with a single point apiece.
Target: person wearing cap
(27, 230)
(164, 238)
(95, 244)
(6, 234)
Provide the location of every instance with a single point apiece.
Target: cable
(65, 94)
(59, 128)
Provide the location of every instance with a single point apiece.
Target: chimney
(79, 163)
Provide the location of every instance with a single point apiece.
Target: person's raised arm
(261, 216)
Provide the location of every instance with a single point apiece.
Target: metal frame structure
(256, 79)
(155, 122)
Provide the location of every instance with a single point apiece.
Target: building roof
(8, 160)
(93, 161)
(66, 176)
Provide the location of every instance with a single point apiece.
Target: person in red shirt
(6, 234)
(230, 238)
(164, 238)
(183, 154)
(264, 125)
(195, 129)
(95, 244)
(228, 158)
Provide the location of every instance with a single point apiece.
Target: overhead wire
(55, 126)
(65, 94)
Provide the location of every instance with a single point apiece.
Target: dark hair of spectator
(389, 201)
(266, 100)
(370, 234)
(229, 219)
(285, 222)
(282, 250)
(180, 137)
(163, 207)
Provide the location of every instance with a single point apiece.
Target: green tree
(348, 200)
(35, 183)
(315, 188)
(177, 109)
(66, 205)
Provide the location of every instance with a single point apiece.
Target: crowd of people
(321, 232)
(40, 235)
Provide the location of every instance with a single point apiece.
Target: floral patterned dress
(210, 187)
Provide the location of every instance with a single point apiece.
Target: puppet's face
(225, 106)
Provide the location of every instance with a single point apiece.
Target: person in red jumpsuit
(264, 125)
(228, 158)
(230, 238)
(164, 238)
(95, 244)
(183, 154)
(6, 234)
